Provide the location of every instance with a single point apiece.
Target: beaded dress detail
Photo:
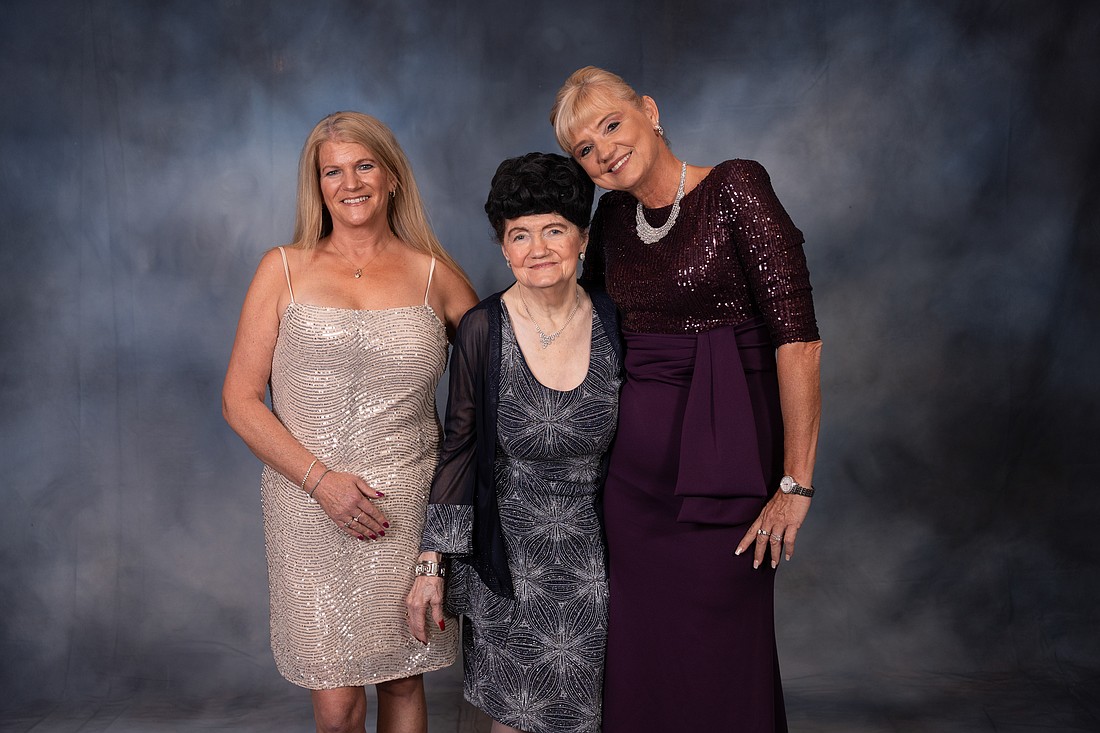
(357, 389)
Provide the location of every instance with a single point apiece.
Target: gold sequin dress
(357, 388)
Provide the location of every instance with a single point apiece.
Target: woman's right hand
(425, 597)
(346, 499)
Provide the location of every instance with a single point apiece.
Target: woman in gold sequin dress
(710, 475)
(349, 325)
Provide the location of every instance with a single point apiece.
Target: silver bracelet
(310, 494)
(306, 477)
(431, 568)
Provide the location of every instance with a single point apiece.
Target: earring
(508, 262)
(393, 193)
(659, 130)
(582, 255)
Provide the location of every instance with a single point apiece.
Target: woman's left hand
(426, 597)
(776, 528)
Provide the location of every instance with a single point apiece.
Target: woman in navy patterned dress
(514, 506)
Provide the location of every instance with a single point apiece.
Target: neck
(659, 187)
(551, 302)
(360, 242)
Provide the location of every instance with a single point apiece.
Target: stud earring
(659, 130)
(582, 255)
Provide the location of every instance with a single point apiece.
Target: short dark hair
(539, 183)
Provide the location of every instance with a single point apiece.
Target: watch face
(786, 484)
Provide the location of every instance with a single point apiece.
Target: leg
(341, 710)
(401, 706)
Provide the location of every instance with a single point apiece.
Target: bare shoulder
(451, 295)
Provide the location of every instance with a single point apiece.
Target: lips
(356, 200)
(619, 163)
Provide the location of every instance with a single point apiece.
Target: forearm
(270, 441)
(799, 369)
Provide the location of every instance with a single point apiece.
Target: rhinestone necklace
(545, 339)
(358, 270)
(650, 234)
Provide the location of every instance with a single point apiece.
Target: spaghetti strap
(286, 269)
(430, 273)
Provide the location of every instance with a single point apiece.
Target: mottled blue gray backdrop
(943, 159)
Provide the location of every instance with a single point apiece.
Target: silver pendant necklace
(650, 234)
(545, 339)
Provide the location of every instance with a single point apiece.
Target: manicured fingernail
(775, 564)
(362, 537)
(442, 626)
(755, 564)
(373, 537)
(788, 558)
(737, 551)
(379, 493)
(386, 525)
(382, 532)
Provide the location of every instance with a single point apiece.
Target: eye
(331, 172)
(613, 126)
(584, 150)
(366, 166)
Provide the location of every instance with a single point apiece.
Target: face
(616, 144)
(542, 249)
(354, 187)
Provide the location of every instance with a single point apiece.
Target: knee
(403, 689)
(345, 714)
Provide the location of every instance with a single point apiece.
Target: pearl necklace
(545, 339)
(650, 234)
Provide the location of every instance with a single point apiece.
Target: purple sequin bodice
(733, 254)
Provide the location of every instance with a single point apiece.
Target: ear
(504, 251)
(649, 107)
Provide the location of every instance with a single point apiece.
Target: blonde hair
(584, 91)
(405, 213)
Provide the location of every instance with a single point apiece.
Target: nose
(352, 180)
(538, 246)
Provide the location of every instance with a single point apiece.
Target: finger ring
(357, 517)
(762, 532)
(777, 538)
(348, 523)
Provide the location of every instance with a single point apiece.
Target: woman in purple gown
(711, 471)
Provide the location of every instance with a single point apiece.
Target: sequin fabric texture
(536, 663)
(356, 388)
(733, 254)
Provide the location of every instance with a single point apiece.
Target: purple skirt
(691, 632)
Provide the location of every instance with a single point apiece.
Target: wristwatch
(789, 486)
(432, 568)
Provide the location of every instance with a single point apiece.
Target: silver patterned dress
(356, 388)
(536, 662)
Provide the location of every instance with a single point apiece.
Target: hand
(426, 595)
(346, 499)
(777, 526)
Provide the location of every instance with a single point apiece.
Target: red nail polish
(386, 525)
(382, 532)
(373, 537)
(379, 493)
(442, 626)
(362, 537)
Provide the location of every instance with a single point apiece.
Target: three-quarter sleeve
(770, 248)
(448, 526)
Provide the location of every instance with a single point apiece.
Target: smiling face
(355, 189)
(616, 144)
(542, 249)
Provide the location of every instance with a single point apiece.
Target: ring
(348, 523)
(762, 532)
(777, 538)
(356, 518)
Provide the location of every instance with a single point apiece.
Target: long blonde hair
(585, 90)
(405, 213)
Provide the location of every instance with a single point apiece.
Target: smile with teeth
(356, 200)
(619, 163)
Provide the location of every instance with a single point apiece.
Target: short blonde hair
(405, 213)
(586, 90)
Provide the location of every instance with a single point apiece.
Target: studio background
(942, 159)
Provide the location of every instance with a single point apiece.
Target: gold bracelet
(306, 477)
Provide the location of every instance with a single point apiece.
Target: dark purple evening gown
(691, 633)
